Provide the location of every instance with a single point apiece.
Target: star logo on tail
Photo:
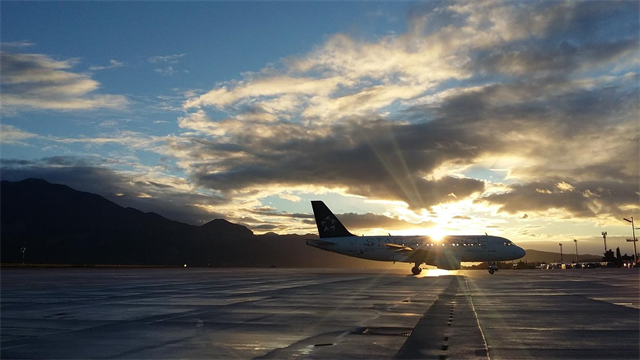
(329, 223)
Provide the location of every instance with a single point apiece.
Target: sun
(436, 233)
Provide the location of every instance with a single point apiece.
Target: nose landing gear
(493, 267)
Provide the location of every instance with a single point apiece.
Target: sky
(517, 119)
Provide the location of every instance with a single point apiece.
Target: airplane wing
(397, 247)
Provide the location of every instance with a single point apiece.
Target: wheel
(491, 271)
(416, 270)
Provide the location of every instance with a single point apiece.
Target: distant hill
(548, 257)
(58, 224)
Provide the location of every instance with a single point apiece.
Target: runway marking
(484, 339)
(422, 342)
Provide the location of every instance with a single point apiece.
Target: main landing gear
(493, 267)
(416, 270)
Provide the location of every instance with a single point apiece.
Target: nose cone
(520, 252)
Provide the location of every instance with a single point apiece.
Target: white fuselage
(444, 253)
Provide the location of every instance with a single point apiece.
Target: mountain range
(59, 225)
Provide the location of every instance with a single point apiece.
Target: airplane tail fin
(328, 224)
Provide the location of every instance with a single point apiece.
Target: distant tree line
(618, 260)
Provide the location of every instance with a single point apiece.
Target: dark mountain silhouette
(58, 224)
(223, 227)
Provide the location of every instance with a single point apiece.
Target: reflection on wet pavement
(312, 313)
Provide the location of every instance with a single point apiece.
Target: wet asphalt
(318, 314)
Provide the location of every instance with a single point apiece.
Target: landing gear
(416, 270)
(493, 267)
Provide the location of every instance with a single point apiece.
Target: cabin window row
(454, 244)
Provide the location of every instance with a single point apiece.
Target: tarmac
(191, 313)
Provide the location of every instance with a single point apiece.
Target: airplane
(446, 253)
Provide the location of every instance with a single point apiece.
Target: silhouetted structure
(618, 257)
(561, 260)
(609, 256)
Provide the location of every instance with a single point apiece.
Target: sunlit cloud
(265, 87)
(12, 135)
(36, 81)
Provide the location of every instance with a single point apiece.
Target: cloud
(16, 44)
(36, 81)
(168, 70)
(131, 140)
(469, 83)
(12, 135)
(171, 59)
(112, 64)
(108, 123)
(265, 87)
(375, 221)
(582, 199)
(377, 160)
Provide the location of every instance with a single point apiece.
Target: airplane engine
(447, 263)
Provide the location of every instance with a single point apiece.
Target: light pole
(576, 241)
(561, 261)
(604, 236)
(634, 240)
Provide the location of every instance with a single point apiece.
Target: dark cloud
(541, 59)
(154, 184)
(585, 21)
(580, 199)
(265, 227)
(375, 159)
(564, 37)
(273, 212)
(370, 220)
(90, 175)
